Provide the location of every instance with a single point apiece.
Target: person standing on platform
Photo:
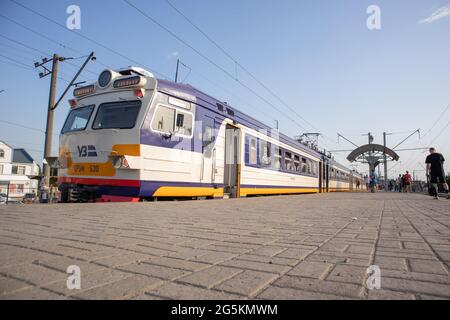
(435, 171)
(407, 179)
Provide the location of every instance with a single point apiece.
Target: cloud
(437, 15)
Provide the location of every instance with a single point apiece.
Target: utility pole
(50, 112)
(176, 73)
(52, 105)
(385, 163)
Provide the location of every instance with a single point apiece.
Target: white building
(18, 170)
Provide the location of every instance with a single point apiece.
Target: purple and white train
(132, 137)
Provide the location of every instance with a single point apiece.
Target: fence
(16, 193)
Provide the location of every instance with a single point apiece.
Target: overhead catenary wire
(24, 126)
(237, 63)
(414, 158)
(57, 42)
(88, 38)
(211, 62)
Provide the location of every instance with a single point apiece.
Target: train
(133, 137)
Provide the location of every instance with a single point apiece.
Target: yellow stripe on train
(254, 191)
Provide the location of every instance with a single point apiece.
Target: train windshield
(78, 119)
(117, 115)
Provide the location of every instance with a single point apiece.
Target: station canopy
(373, 149)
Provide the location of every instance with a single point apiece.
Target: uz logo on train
(86, 151)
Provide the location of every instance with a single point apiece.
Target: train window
(170, 120)
(265, 152)
(308, 163)
(296, 163)
(304, 166)
(183, 125)
(163, 119)
(117, 115)
(208, 136)
(287, 161)
(277, 158)
(253, 151)
(77, 119)
(313, 167)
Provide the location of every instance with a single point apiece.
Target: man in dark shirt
(435, 170)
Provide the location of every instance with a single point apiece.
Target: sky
(318, 57)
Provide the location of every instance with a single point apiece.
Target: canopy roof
(372, 148)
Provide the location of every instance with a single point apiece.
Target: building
(19, 173)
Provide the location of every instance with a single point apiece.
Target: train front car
(99, 152)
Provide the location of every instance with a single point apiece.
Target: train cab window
(77, 119)
(171, 120)
(304, 165)
(163, 119)
(277, 158)
(265, 153)
(296, 163)
(288, 161)
(117, 115)
(253, 151)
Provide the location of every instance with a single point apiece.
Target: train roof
(190, 93)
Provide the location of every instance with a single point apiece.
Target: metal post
(385, 163)
(7, 192)
(49, 126)
(176, 73)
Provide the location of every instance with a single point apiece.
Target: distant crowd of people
(404, 183)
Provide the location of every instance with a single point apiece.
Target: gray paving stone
(296, 247)
(247, 283)
(210, 277)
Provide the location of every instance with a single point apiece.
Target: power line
(237, 63)
(45, 54)
(19, 64)
(414, 158)
(86, 37)
(54, 41)
(16, 61)
(24, 126)
(228, 73)
(209, 60)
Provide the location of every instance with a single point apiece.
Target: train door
(232, 163)
(327, 177)
(207, 169)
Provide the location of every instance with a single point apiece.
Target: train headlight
(105, 78)
(82, 91)
(119, 162)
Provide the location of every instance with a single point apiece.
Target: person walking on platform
(373, 181)
(435, 171)
(367, 182)
(407, 179)
(399, 183)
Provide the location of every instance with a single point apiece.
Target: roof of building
(1, 141)
(22, 156)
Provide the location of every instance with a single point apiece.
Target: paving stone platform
(284, 247)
